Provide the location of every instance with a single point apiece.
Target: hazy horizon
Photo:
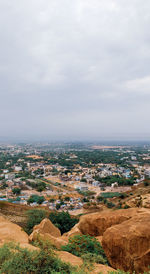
(74, 70)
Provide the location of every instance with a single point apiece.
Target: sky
(74, 70)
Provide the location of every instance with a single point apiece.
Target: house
(9, 176)
(18, 168)
(114, 185)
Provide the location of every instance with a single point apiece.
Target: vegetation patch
(14, 259)
(87, 247)
(34, 217)
(63, 221)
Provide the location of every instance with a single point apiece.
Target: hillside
(122, 231)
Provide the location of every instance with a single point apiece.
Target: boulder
(95, 224)
(29, 247)
(57, 242)
(100, 268)
(74, 231)
(10, 232)
(69, 258)
(127, 245)
(46, 231)
(46, 226)
(99, 239)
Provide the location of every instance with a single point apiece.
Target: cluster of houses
(78, 179)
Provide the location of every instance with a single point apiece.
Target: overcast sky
(75, 69)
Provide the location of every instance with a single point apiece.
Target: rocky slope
(127, 245)
(10, 232)
(125, 236)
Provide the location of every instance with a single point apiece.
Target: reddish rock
(69, 258)
(127, 245)
(46, 226)
(46, 231)
(10, 232)
(74, 231)
(55, 241)
(95, 224)
(104, 269)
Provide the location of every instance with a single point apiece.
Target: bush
(36, 199)
(146, 183)
(110, 194)
(14, 259)
(94, 258)
(123, 195)
(100, 198)
(16, 191)
(126, 206)
(81, 245)
(110, 205)
(34, 217)
(63, 221)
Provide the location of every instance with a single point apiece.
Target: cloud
(64, 63)
(140, 85)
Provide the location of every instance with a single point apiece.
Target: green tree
(63, 221)
(41, 186)
(81, 245)
(58, 206)
(34, 217)
(16, 191)
(14, 259)
(36, 199)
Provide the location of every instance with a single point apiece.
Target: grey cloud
(69, 69)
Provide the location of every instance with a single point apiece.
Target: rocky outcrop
(46, 226)
(55, 241)
(74, 231)
(10, 232)
(104, 269)
(77, 261)
(46, 231)
(127, 245)
(69, 258)
(95, 224)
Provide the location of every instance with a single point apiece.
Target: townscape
(68, 177)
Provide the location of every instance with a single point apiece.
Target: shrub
(100, 198)
(110, 204)
(58, 206)
(146, 183)
(81, 245)
(110, 194)
(126, 206)
(41, 186)
(34, 217)
(16, 191)
(36, 199)
(63, 221)
(14, 259)
(94, 258)
(123, 195)
(67, 198)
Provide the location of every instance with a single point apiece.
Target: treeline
(112, 179)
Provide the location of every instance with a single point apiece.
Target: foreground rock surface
(74, 231)
(55, 241)
(46, 231)
(69, 258)
(127, 245)
(104, 269)
(95, 224)
(46, 226)
(10, 232)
